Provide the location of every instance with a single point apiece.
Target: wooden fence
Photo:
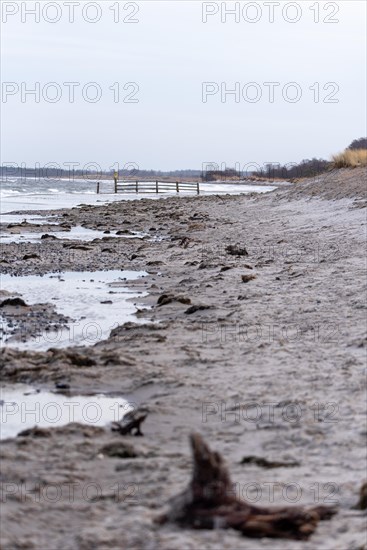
(128, 186)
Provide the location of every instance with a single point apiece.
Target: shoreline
(292, 336)
(45, 200)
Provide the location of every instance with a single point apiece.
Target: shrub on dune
(350, 158)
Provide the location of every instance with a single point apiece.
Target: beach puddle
(77, 233)
(28, 218)
(96, 302)
(23, 407)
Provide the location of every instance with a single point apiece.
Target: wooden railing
(156, 186)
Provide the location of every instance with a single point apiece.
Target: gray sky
(169, 52)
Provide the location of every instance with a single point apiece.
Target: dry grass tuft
(350, 158)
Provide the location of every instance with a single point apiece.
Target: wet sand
(272, 368)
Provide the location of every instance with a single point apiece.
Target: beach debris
(209, 502)
(199, 307)
(76, 247)
(188, 280)
(12, 225)
(35, 432)
(236, 250)
(31, 257)
(196, 227)
(118, 449)
(48, 236)
(265, 463)
(130, 423)
(362, 503)
(185, 242)
(14, 302)
(62, 386)
(168, 298)
(70, 358)
(248, 278)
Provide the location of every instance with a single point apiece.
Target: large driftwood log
(209, 502)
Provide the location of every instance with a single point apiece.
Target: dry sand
(273, 368)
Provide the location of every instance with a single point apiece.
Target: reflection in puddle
(23, 407)
(95, 301)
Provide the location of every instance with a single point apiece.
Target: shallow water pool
(95, 301)
(77, 233)
(23, 407)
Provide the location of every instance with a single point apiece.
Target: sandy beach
(249, 329)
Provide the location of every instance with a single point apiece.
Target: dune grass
(350, 158)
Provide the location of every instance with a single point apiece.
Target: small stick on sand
(129, 423)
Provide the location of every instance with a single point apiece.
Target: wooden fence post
(197, 188)
(156, 187)
(177, 187)
(136, 187)
(97, 187)
(115, 176)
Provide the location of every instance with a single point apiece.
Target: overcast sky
(161, 121)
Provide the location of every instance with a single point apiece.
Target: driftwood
(248, 278)
(169, 298)
(209, 502)
(129, 423)
(235, 250)
(362, 503)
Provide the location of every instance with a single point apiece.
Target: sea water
(25, 194)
